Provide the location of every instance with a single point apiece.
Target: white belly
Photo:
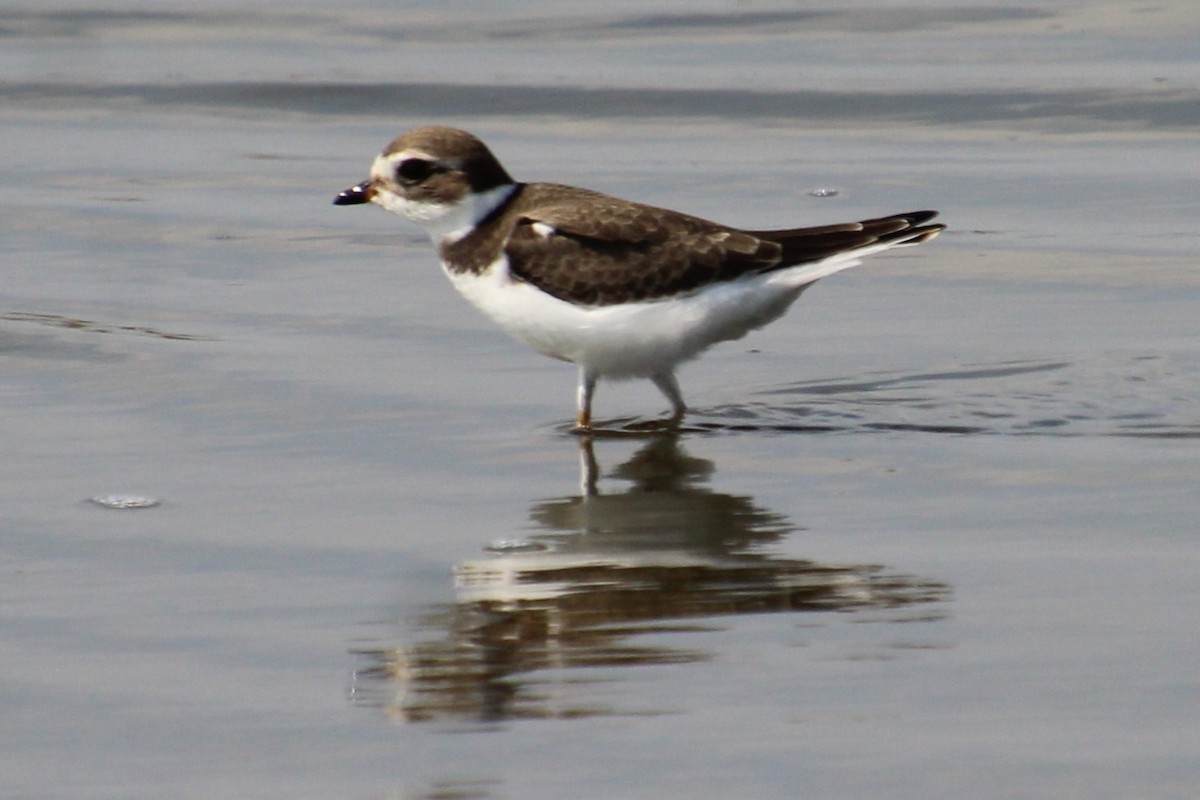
(635, 339)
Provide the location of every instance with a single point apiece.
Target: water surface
(932, 535)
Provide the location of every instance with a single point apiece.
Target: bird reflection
(665, 555)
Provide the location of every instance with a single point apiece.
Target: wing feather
(607, 251)
(593, 249)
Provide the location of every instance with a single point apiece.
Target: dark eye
(415, 170)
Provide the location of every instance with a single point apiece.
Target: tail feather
(851, 239)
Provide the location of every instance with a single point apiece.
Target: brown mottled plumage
(607, 251)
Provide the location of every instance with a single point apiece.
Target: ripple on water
(1144, 396)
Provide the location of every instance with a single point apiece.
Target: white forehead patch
(404, 155)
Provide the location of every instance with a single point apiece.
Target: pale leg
(587, 387)
(667, 384)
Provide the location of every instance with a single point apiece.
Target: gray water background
(932, 535)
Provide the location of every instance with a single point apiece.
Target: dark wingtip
(924, 234)
(355, 195)
(916, 218)
(908, 227)
(911, 218)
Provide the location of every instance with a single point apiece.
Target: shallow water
(932, 535)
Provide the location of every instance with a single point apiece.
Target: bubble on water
(825, 191)
(125, 501)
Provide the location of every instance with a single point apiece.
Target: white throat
(447, 223)
(461, 219)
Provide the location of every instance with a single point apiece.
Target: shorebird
(621, 289)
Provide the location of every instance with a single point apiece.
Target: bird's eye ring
(414, 170)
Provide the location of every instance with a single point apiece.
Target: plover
(621, 289)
